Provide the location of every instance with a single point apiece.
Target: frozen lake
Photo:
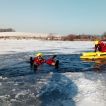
(75, 83)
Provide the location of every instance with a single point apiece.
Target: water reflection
(99, 65)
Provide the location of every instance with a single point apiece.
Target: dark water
(18, 65)
(22, 86)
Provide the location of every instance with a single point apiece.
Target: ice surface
(67, 47)
(49, 88)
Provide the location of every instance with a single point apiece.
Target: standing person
(100, 46)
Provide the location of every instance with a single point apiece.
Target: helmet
(39, 54)
(96, 42)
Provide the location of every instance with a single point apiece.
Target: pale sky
(54, 16)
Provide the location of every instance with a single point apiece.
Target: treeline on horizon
(51, 36)
(84, 37)
(7, 30)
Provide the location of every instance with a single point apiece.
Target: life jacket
(50, 61)
(39, 60)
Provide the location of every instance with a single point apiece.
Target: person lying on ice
(100, 46)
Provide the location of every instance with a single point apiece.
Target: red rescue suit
(50, 61)
(39, 60)
(102, 46)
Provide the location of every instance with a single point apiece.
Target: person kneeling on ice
(100, 46)
(38, 60)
